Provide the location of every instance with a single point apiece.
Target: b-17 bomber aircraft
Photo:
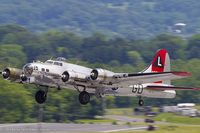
(153, 82)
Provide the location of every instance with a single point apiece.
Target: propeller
(65, 76)
(94, 74)
(6, 73)
(23, 77)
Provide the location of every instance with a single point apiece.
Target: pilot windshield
(49, 62)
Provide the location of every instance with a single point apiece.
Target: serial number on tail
(138, 89)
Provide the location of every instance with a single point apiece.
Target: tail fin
(160, 63)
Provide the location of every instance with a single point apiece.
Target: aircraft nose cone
(28, 69)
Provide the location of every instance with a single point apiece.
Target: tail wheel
(84, 97)
(40, 96)
(141, 102)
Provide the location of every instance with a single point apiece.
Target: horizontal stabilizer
(179, 74)
(162, 88)
(137, 78)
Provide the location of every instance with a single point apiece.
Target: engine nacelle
(99, 74)
(12, 73)
(65, 76)
(71, 75)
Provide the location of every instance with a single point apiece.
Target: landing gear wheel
(141, 102)
(84, 97)
(40, 96)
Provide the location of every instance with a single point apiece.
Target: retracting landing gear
(84, 97)
(140, 102)
(41, 96)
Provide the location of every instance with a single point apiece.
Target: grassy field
(120, 111)
(172, 118)
(172, 123)
(170, 129)
(164, 117)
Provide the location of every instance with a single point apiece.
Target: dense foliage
(129, 18)
(19, 46)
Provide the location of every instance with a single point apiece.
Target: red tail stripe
(162, 55)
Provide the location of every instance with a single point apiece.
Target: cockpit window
(35, 68)
(61, 59)
(57, 63)
(49, 62)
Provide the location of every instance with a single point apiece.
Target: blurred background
(121, 36)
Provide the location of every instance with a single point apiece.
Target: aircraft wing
(162, 88)
(140, 78)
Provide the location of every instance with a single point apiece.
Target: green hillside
(121, 18)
